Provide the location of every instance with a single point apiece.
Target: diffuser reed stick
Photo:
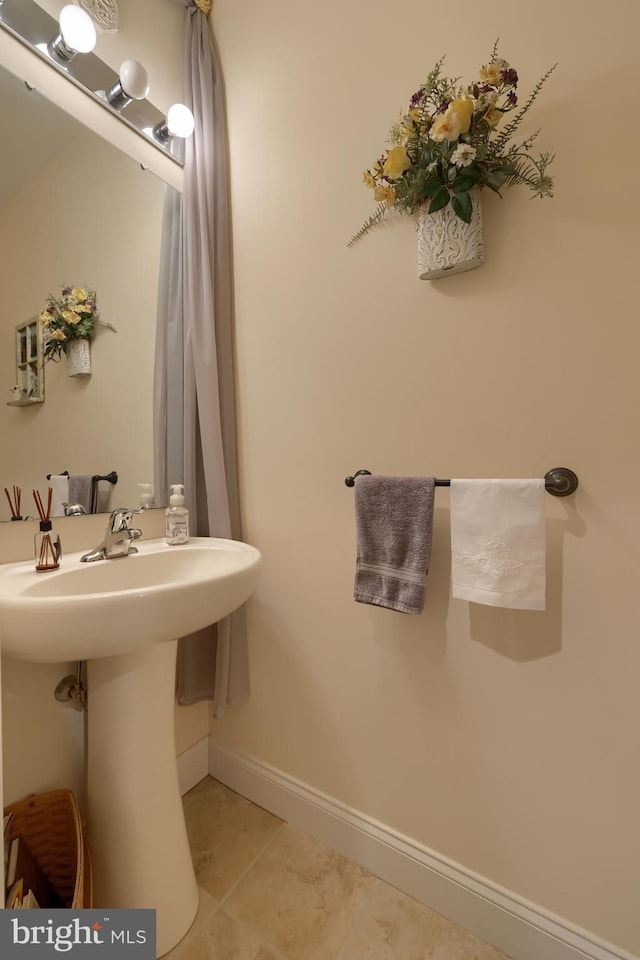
(14, 505)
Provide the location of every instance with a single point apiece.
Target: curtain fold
(212, 663)
(168, 382)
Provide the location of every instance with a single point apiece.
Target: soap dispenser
(146, 496)
(177, 517)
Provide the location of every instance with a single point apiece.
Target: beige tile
(207, 906)
(224, 938)
(300, 898)
(198, 791)
(395, 927)
(226, 833)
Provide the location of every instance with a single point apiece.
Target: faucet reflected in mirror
(74, 209)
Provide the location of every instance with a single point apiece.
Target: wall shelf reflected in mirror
(29, 385)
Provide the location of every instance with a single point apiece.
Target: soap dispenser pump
(177, 517)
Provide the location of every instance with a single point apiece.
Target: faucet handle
(121, 518)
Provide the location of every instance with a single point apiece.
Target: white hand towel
(59, 483)
(498, 542)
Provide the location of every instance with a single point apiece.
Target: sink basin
(124, 617)
(87, 610)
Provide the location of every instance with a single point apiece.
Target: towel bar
(559, 481)
(110, 477)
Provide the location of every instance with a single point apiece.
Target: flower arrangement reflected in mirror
(71, 316)
(454, 138)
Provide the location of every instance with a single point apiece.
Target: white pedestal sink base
(122, 616)
(137, 834)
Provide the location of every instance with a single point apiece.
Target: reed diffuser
(47, 551)
(14, 505)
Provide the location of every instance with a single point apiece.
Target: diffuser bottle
(177, 517)
(47, 550)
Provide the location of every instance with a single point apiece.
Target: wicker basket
(50, 824)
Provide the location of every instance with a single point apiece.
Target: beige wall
(504, 740)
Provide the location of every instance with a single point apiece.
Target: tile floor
(270, 892)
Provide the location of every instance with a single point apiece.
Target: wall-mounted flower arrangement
(70, 323)
(454, 139)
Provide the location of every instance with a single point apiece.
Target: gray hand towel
(394, 524)
(82, 489)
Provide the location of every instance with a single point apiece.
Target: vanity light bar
(36, 29)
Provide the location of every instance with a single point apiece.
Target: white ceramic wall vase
(78, 358)
(448, 245)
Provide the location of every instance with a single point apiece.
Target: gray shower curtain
(195, 440)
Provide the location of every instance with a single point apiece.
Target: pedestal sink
(123, 616)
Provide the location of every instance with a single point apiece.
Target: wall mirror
(75, 210)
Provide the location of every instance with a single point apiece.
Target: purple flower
(443, 106)
(510, 76)
(66, 291)
(512, 98)
(485, 88)
(415, 99)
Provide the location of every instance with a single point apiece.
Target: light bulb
(134, 79)
(132, 84)
(180, 122)
(77, 29)
(77, 34)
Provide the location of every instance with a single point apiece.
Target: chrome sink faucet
(118, 538)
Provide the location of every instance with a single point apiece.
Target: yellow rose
(45, 318)
(70, 316)
(79, 293)
(463, 110)
(368, 180)
(492, 72)
(446, 126)
(396, 163)
(386, 193)
(57, 335)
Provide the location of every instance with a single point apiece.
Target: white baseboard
(521, 930)
(193, 765)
